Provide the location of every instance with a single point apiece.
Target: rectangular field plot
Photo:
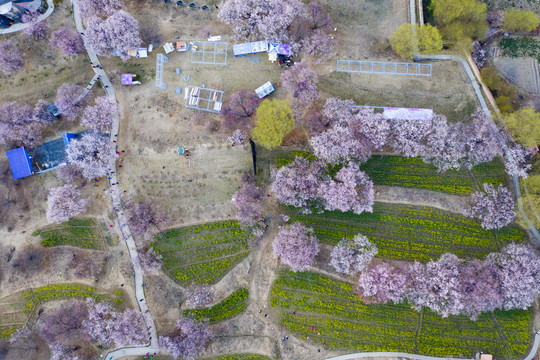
(84, 233)
(407, 232)
(383, 68)
(331, 315)
(202, 253)
(414, 173)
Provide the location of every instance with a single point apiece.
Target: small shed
(181, 46)
(264, 90)
(19, 162)
(486, 357)
(142, 53)
(168, 47)
(67, 138)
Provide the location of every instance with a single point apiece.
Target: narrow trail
(21, 26)
(123, 226)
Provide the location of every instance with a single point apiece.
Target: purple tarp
(284, 49)
(127, 79)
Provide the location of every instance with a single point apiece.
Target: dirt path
(398, 195)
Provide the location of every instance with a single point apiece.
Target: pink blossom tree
(318, 16)
(353, 256)
(267, 19)
(151, 261)
(200, 296)
(436, 285)
(319, 45)
(297, 184)
(17, 124)
(100, 115)
(92, 153)
(99, 7)
(519, 273)
(238, 137)
(296, 246)
(69, 173)
(66, 101)
(146, 218)
(119, 31)
(11, 59)
(301, 82)
(37, 30)
(63, 330)
(41, 113)
(248, 202)
(188, 341)
(339, 144)
(339, 111)
(382, 283)
(107, 326)
(494, 206)
(481, 141)
(64, 202)
(67, 40)
(315, 121)
(480, 288)
(239, 112)
(518, 159)
(350, 191)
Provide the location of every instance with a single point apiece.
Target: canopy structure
(264, 90)
(250, 48)
(392, 113)
(67, 138)
(284, 49)
(127, 79)
(273, 48)
(19, 161)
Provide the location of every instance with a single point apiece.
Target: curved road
(125, 232)
(21, 26)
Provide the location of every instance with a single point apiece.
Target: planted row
(231, 306)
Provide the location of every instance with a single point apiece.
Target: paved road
(21, 26)
(123, 227)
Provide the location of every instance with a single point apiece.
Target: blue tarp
(67, 138)
(19, 161)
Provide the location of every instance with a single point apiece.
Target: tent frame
(209, 53)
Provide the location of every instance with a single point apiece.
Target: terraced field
(327, 312)
(20, 308)
(202, 253)
(84, 233)
(408, 232)
(414, 173)
(231, 306)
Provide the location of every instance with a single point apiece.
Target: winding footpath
(21, 26)
(123, 226)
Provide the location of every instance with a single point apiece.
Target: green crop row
(525, 46)
(7, 331)
(401, 171)
(82, 233)
(323, 310)
(202, 253)
(410, 232)
(240, 357)
(231, 306)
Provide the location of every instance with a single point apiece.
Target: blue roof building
(19, 161)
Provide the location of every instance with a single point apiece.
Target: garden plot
(513, 4)
(328, 313)
(231, 306)
(407, 232)
(20, 308)
(525, 46)
(202, 253)
(84, 233)
(447, 91)
(414, 173)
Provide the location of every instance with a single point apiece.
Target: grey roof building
(12, 10)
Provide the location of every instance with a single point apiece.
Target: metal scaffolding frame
(209, 52)
(200, 98)
(161, 59)
(386, 68)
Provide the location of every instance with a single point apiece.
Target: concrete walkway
(125, 232)
(21, 26)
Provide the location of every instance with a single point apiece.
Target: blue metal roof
(19, 161)
(67, 138)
